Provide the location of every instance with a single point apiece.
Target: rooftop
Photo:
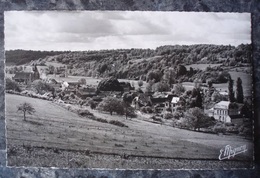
(22, 75)
(175, 100)
(222, 105)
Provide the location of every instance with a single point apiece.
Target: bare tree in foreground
(26, 108)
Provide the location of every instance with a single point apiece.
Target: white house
(225, 111)
(174, 101)
(221, 111)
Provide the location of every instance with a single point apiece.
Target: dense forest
(163, 63)
(19, 57)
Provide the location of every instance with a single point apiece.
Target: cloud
(93, 30)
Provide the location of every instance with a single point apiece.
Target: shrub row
(117, 123)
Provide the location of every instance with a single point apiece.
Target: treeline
(140, 63)
(20, 57)
(165, 62)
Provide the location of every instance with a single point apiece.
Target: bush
(93, 104)
(129, 111)
(219, 129)
(161, 87)
(146, 109)
(100, 119)
(245, 131)
(41, 87)
(168, 116)
(117, 123)
(178, 89)
(111, 104)
(196, 119)
(84, 113)
(157, 119)
(12, 85)
(232, 129)
(223, 77)
(177, 115)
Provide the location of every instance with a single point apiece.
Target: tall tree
(178, 89)
(231, 94)
(127, 99)
(240, 94)
(198, 100)
(149, 86)
(169, 76)
(181, 70)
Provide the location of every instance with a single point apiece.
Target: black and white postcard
(128, 89)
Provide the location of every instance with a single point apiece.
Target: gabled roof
(28, 69)
(22, 75)
(222, 105)
(42, 68)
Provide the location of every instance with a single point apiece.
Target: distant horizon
(101, 30)
(121, 48)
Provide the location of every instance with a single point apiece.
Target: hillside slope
(144, 63)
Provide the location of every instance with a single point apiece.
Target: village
(128, 103)
(199, 107)
(128, 90)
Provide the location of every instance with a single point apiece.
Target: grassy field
(246, 83)
(82, 140)
(94, 81)
(201, 66)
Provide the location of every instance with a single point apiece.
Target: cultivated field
(57, 137)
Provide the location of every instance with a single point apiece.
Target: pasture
(246, 83)
(55, 136)
(93, 81)
(201, 66)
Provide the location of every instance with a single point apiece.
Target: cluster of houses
(221, 111)
(30, 73)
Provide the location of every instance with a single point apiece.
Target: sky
(95, 30)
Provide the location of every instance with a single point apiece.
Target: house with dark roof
(23, 77)
(28, 75)
(126, 86)
(162, 101)
(83, 93)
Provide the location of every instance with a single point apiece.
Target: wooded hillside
(164, 62)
